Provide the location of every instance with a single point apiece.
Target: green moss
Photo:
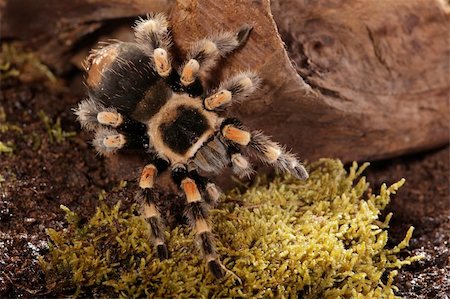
(319, 238)
(16, 62)
(54, 130)
(6, 148)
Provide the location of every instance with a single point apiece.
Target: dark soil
(39, 176)
(423, 202)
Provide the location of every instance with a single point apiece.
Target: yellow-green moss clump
(316, 239)
(17, 62)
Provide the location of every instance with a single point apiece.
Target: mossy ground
(319, 238)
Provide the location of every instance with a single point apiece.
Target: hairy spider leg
(153, 33)
(109, 141)
(210, 191)
(234, 89)
(197, 214)
(113, 130)
(204, 55)
(148, 198)
(240, 165)
(93, 116)
(260, 146)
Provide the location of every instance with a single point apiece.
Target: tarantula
(138, 100)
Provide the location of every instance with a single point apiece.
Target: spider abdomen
(181, 127)
(119, 75)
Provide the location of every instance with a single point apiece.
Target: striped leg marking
(276, 155)
(148, 197)
(197, 213)
(108, 141)
(205, 53)
(262, 147)
(233, 130)
(153, 32)
(208, 189)
(110, 118)
(189, 72)
(162, 62)
(235, 89)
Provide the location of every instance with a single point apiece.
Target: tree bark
(360, 79)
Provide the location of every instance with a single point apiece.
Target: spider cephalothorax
(138, 100)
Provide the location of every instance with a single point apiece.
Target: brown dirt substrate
(423, 202)
(39, 176)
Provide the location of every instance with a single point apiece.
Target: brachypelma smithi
(138, 100)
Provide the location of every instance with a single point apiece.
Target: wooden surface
(374, 75)
(381, 69)
(360, 79)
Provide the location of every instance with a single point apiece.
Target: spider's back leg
(210, 191)
(148, 197)
(260, 146)
(197, 213)
(153, 33)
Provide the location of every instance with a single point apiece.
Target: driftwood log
(355, 79)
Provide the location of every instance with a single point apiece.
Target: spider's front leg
(93, 116)
(197, 213)
(113, 130)
(233, 90)
(148, 197)
(205, 54)
(153, 33)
